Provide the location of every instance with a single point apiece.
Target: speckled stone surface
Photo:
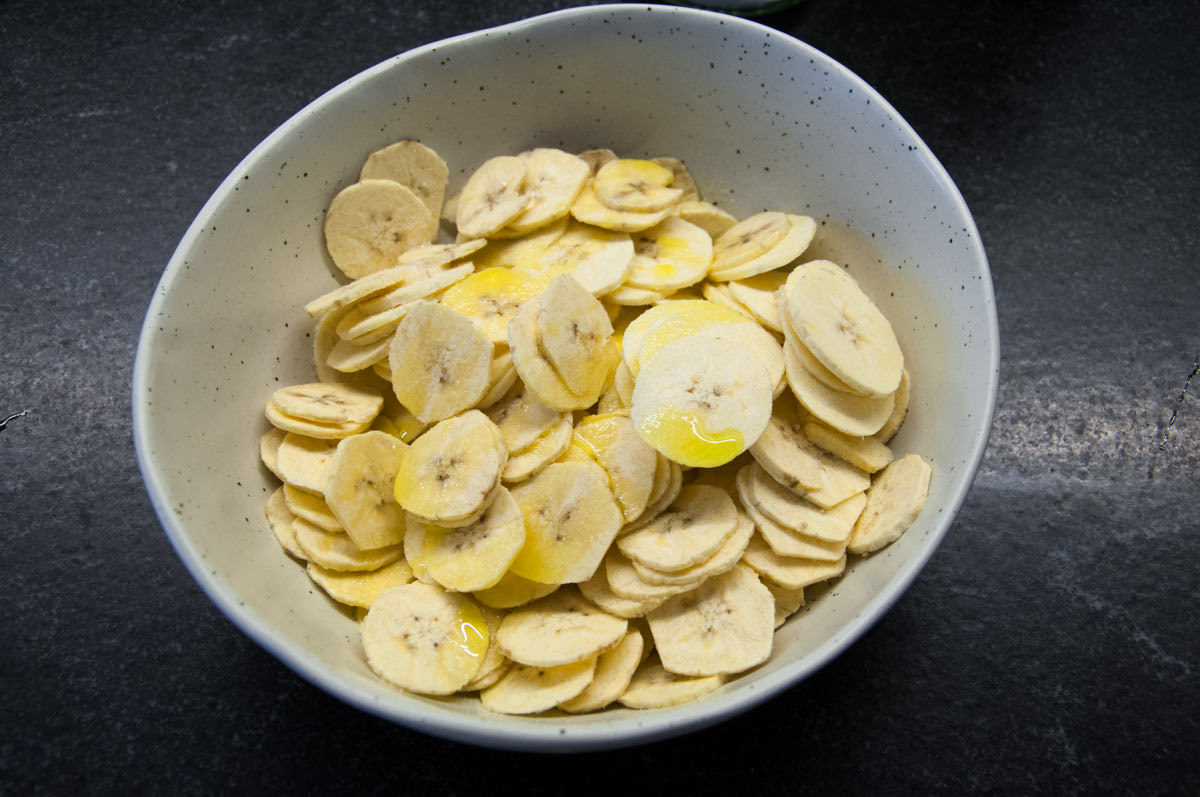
(1049, 646)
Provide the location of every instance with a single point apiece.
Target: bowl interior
(763, 122)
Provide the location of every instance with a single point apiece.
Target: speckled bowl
(763, 121)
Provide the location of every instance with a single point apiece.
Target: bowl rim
(553, 734)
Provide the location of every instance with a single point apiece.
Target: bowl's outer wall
(762, 121)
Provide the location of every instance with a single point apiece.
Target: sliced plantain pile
(592, 451)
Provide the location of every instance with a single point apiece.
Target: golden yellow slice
(475, 557)
(559, 629)
(571, 519)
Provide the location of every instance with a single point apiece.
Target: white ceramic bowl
(762, 120)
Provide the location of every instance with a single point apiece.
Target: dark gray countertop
(1050, 645)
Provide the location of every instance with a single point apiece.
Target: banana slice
(280, 519)
(493, 196)
(328, 403)
(692, 529)
(613, 443)
(525, 252)
(636, 186)
(791, 458)
(311, 507)
(596, 590)
(502, 376)
(423, 639)
(397, 278)
(324, 431)
(412, 164)
(522, 419)
(864, 453)
(844, 329)
(849, 413)
(575, 336)
(758, 490)
(899, 410)
(539, 375)
(440, 362)
(799, 235)
(705, 215)
(449, 475)
(599, 259)
(628, 296)
(722, 561)
(668, 481)
(786, 542)
(512, 591)
(304, 461)
(491, 297)
(750, 238)
(625, 582)
(725, 626)
(553, 179)
(590, 209)
(760, 295)
(668, 322)
(614, 670)
(336, 551)
(376, 319)
(623, 383)
(532, 690)
(571, 519)
(475, 557)
(351, 356)
(719, 293)
(268, 449)
(494, 664)
(372, 222)
(398, 421)
(787, 602)
(654, 687)
(894, 501)
(672, 254)
(595, 158)
(750, 338)
(561, 628)
(360, 589)
(701, 401)
(546, 449)
(681, 178)
(786, 571)
(359, 490)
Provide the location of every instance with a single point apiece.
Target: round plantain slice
(894, 501)
(440, 362)
(360, 588)
(372, 222)
(475, 557)
(532, 690)
(426, 640)
(571, 519)
(450, 474)
(559, 629)
(690, 531)
(412, 164)
(360, 489)
(654, 687)
(788, 571)
(614, 670)
(725, 626)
